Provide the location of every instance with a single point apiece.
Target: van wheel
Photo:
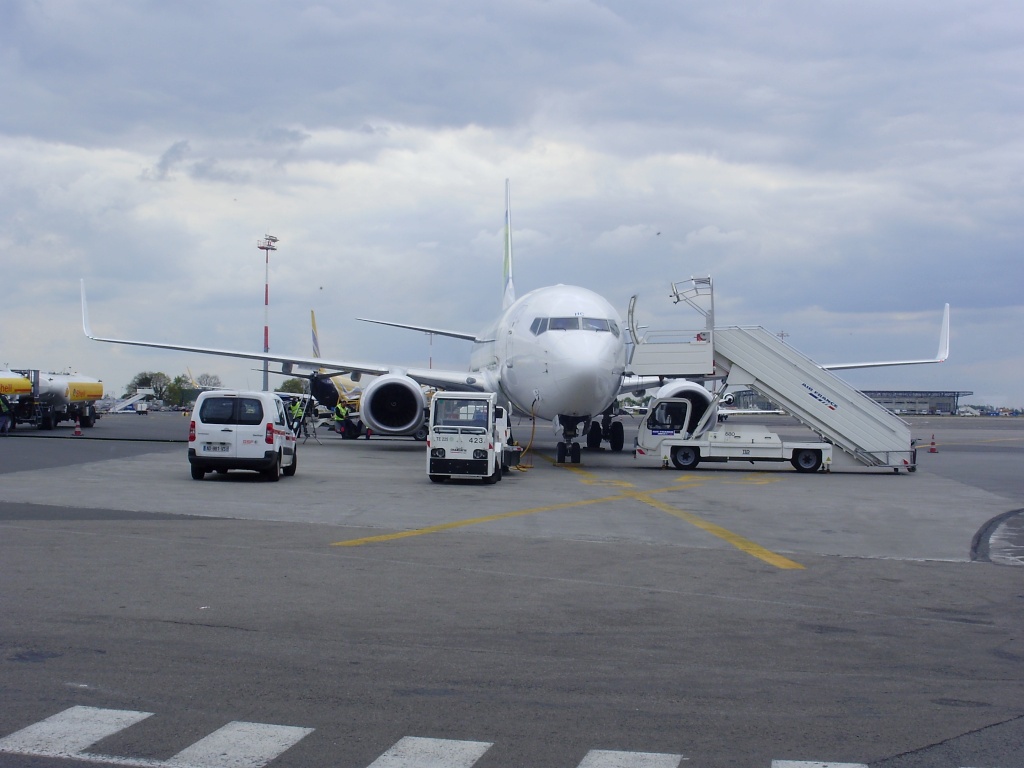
(198, 473)
(273, 473)
(685, 457)
(289, 471)
(806, 460)
(437, 478)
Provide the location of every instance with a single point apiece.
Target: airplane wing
(433, 377)
(940, 356)
(424, 329)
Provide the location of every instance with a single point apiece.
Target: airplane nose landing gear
(570, 451)
(568, 448)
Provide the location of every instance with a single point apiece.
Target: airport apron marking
(70, 733)
(67, 735)
(645, 497)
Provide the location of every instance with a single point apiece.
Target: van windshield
(231, 410)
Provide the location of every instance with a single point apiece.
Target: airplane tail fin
(316, 339)
(509, 295)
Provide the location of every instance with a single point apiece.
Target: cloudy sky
(841, 170)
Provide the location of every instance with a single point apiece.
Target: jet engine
(700, 400)
(393, 405)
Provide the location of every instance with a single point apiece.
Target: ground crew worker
(6, 416)
(295, 411)
(340, 416)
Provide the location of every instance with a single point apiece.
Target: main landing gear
(605, 429)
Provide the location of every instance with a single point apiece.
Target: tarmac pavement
(570, 614)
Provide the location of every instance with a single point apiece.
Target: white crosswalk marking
(599, 758)
(254, 745)
(414, 752)
(239, 745)
(69, 732)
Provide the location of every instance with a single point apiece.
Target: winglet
(85, 313)
(943, 352)
(940, 357)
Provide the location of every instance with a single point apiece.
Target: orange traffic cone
(933, 449)
(78, 428)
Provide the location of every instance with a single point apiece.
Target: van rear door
(253, 425)
(216, 427)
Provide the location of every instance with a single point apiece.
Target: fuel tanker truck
(45, 399)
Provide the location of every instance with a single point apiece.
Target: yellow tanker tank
(13, 384)
(68, 388)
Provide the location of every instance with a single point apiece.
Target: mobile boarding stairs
(754, 358)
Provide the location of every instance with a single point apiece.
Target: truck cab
(469, 437)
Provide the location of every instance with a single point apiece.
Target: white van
(241, 430)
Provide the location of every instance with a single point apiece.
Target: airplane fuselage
(556, 352)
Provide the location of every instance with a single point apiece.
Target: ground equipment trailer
(469, 437)
(661, 435)
(45, 399)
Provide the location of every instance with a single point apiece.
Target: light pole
(267, 244)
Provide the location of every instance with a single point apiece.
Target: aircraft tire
(594, 437)
(420, 434)
(685, 457)
(574, 453)
(618, 436)
(806, 460)
(560, 453)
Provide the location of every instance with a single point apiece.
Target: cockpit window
(542, 324)
(564, 324)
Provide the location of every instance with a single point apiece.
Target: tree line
(180, 390)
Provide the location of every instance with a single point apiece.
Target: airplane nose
(587, 377)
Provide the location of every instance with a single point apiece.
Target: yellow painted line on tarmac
(741, 543)
(754, 479)
(478, 520)
(646, 497)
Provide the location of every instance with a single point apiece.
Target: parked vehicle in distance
(241, 430)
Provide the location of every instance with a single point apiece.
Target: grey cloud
(172, 157)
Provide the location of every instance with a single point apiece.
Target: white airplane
(558, 353)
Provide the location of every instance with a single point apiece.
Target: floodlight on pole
(267, 244)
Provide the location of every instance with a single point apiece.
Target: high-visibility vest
(340, 412)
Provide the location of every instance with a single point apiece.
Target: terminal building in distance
(900, 401)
